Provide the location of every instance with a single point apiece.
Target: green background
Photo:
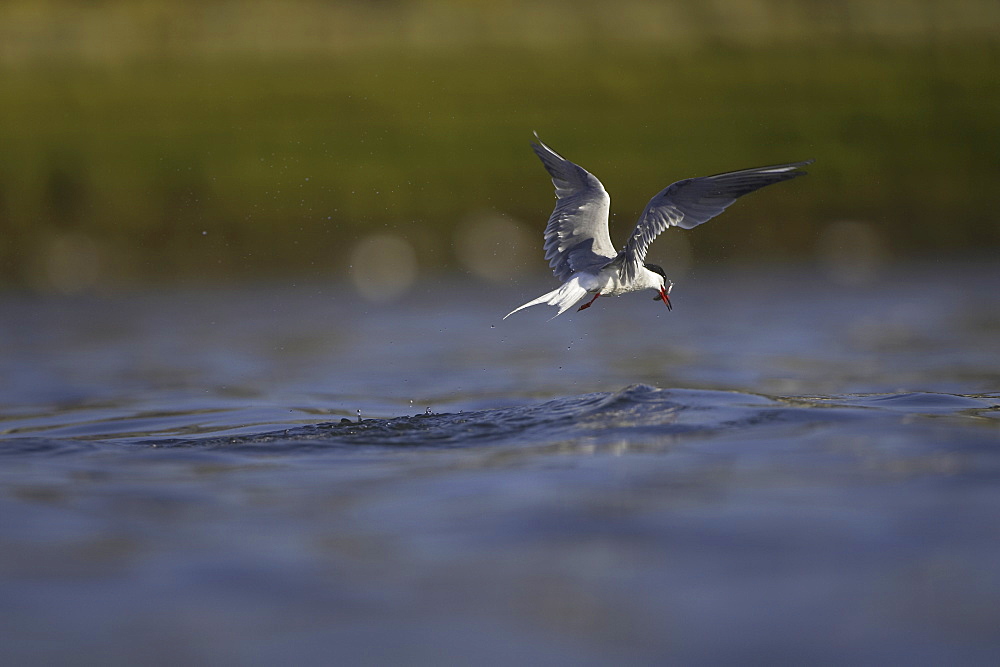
(155, 142)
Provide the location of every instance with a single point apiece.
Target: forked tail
(569, 293)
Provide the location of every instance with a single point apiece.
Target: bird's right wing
(690, 202)
(576, 237)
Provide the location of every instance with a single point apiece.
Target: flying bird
(578, 245)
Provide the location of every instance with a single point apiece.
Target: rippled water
(781, 469)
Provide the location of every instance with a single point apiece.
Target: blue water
(782, 469)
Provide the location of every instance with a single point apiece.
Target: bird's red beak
(665, 297)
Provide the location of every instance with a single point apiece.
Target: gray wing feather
(688, 203)
(576, 236)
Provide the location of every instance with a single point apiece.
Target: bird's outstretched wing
(690, 202)
(576, 237)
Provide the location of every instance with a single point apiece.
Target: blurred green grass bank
(153, 141)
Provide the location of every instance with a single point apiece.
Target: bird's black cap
(656, 269)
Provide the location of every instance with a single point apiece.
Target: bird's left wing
(576, 236)
(690, 202)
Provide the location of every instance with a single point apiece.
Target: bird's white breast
(609, 283)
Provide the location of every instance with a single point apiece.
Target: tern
(578, 245)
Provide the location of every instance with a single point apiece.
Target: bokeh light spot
(383, 267)
(496, 248)
(851, 252)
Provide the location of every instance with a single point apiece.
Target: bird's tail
(569, 293)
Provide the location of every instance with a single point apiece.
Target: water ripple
(635, 412)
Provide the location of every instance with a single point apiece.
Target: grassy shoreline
(236, 166)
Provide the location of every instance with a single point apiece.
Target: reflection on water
(779, 468)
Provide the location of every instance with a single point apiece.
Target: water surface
(781, 469)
